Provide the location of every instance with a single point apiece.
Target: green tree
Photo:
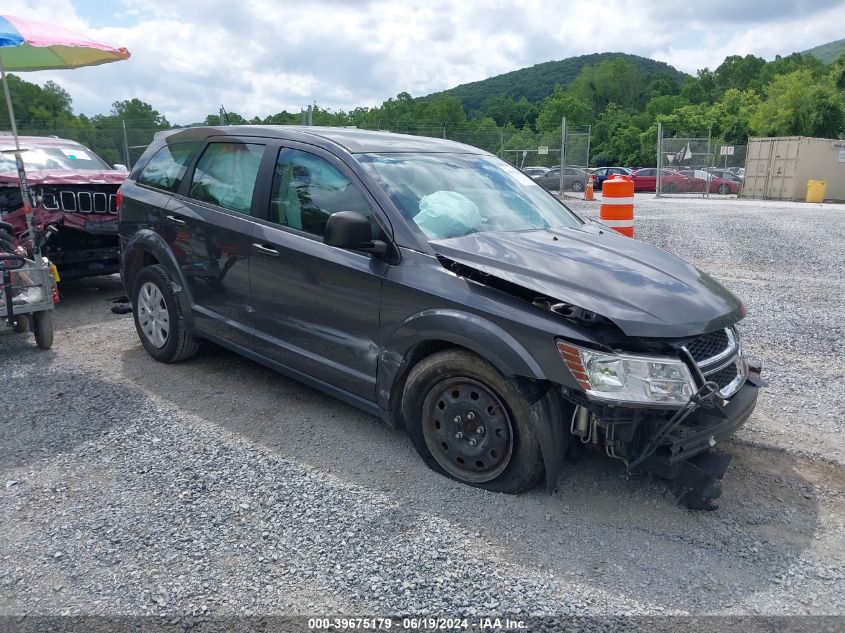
(612, 81)
(798, 104)
(559, 104)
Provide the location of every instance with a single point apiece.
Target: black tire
(424, 389)
(724, 190)
(669, 187)
(178, 344)
(42, 327)
(577, 186)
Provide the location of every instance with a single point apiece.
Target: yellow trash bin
(816, 190)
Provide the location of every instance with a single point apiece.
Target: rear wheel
(724, 190)
(669, 187)
(577, 186)
(157, 317)
(42, 327)
(470, 423)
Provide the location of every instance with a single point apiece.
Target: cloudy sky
(258, 57)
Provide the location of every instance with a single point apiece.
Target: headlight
(628, 377)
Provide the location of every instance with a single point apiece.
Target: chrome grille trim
(80, 202)
(84, 203)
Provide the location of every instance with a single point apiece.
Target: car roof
(7, 140)
(353, 140)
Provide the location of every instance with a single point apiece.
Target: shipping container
(778, 168)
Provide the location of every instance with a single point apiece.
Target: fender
(463, 329)
(146, 241)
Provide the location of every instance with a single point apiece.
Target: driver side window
(307, 189)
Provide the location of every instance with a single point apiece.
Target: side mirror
(352, 231)
(120, 167)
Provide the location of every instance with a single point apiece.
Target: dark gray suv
(437, 287)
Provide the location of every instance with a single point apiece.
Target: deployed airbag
(445, 214)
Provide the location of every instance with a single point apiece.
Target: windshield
(449, 195)
(49, 158)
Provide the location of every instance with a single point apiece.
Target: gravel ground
(216, 486)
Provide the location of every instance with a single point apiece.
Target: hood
(68, 177)
(644, 290)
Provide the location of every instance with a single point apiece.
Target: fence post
(562, 154)
(502, 143)
(709, 155)
(589, 138)
(659, 182)
(125, 145)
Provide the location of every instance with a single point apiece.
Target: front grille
(716, 355)
(724, 376)
(708, 345)
(81, 202)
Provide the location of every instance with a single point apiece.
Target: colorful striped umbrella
(30, 45)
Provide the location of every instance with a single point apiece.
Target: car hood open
(644, 290)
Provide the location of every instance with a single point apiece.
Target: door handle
(269, 252)
(175, 220)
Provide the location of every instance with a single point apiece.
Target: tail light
(118, 201)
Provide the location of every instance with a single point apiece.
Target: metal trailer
(778, 168)
(26, 296)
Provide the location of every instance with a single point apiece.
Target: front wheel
(724, 190)
(669, 187)
(470, 423)
(577, 186)
(42, 327)
(157, 317)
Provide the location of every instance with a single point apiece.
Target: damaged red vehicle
(75, 192)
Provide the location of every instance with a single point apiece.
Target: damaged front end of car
(79, 213)
(657, 377)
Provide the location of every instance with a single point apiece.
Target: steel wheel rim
(152, 315)
(467, 430)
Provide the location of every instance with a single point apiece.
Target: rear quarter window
(166, 169)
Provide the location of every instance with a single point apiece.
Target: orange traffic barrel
(617, 204)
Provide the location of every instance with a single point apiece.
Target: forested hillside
(621, 97)
(539, 81)
(827, 53)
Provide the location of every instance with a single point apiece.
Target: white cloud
(260, 57)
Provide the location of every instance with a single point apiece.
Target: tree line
(743, 96)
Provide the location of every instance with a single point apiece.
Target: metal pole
(589, 137)
(659, 182)
(25, 197)
(709, 150)
(562, 154)
(9, 103)
(502, 143)
(125, 145)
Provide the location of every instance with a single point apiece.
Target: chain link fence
(700, 166)
(113, 143)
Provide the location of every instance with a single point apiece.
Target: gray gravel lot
(217, 486)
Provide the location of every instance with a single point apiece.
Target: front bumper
(702, 430)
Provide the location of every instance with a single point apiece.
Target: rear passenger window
(225, 175)
(308, 189)
(167, 167)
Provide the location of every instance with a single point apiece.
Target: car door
(645, 179)
(316, 306)
(551, 179)
(210, 226)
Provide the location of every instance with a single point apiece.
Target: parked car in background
(574, 178)
(436, 286)
(603, 173)
(75, 192)
(701, 181)
(645, 179)
(535, 172)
